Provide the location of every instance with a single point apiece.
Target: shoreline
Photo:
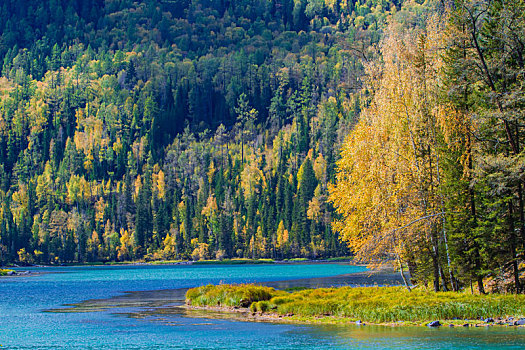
(245, 315)
(6, 273)
(156, 301)
(235, 261)
(347, 305)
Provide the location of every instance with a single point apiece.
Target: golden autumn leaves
(389, 175)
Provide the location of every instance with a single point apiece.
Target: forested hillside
(188, 129)
(433, 174)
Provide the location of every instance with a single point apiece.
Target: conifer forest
(145, 130)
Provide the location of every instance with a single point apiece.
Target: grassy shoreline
(6, 272)
(371, 305)
(234, 261)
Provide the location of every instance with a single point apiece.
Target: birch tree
(388, 180)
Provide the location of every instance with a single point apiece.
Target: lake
(128, 307)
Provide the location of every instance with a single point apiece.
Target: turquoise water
(141, 320)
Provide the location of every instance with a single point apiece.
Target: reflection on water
(426, 338)
(384, 278)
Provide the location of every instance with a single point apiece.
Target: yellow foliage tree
(282, 236)
(123, 251)
(389, 174)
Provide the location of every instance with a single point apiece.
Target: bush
(253, 307)
(230, 295)
(262, 306)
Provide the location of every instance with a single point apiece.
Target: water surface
(129, 307)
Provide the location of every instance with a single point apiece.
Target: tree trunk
(443, 279)
(435, 264)
(481, 287)
(404, 278)
(472, 197)
(401, 271)
(242, 147)
(436, 274)
(522, 218)
(520, 198)
(513, 248)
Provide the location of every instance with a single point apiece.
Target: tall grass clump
(372, 304)
(4, 272)
(230, 295)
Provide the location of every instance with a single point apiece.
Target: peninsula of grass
(377, 305)
(5, 272)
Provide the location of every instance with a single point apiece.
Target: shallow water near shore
(134, 307)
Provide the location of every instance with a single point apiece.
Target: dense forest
(177, 129)
(432, 176)
(211, 129)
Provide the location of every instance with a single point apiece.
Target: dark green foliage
(484, 175)
(174, 130)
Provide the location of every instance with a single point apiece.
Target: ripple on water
(134, 307)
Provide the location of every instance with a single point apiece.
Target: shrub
(230, 295)
(253, 307)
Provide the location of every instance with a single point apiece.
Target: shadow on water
(138, 299)
(369, 278)
(148, 303)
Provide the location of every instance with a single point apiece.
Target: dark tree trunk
(513, 249)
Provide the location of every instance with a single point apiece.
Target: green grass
(298, 260)
(165, 262)
(370, 304)
(230, 295)
(4, 272)
(341, 258)
(233, 261)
